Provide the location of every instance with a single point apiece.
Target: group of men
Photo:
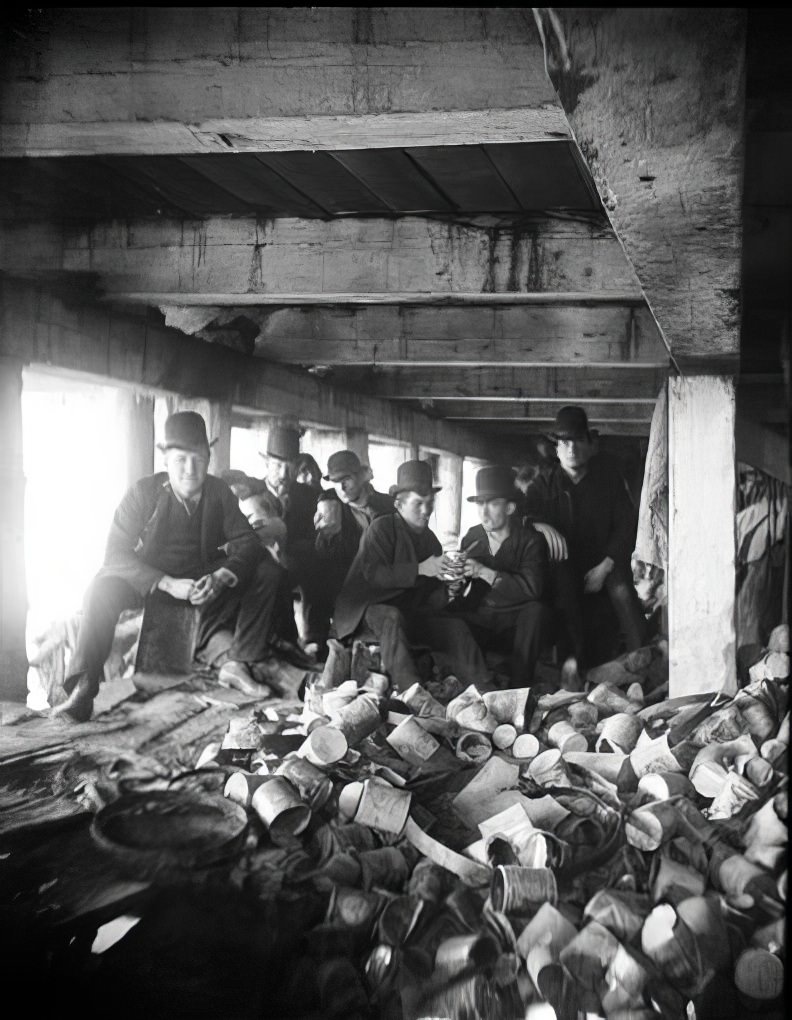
(366, 563)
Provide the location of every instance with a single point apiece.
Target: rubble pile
(512, 853)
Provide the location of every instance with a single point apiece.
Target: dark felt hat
(414, 476)
(570, 423)
(185, 430)
(283, 443)
(341, 464)
(494, 483)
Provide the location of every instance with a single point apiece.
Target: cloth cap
(570, 423)
(341, 464)
(414, 476)
(283, 443)
(494, 483)
(186, 430)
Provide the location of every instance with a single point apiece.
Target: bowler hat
(283, 443)
(414, 476)
(341, 464)
(570, 423)
(185, 430)
(494, 483)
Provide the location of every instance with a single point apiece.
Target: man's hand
(328, 517)
(432, 566)
(208, 587)
(594, 579)
(176, 587)
(475, 569)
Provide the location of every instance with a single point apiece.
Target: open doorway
(76, 471)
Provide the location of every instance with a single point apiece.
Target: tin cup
(520, 890)
(279, 806)
(619, 732)
(459, 952)
(354, 908)
(411, 741)
(359, 718)
(454, 577)
(240, 787)
(549, 769)
(324, 746)
(312, 784)
(377, 804)
(473, 747)
(565, 737)
(421, 701)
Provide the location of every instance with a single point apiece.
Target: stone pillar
(701, 539)
(13, 587)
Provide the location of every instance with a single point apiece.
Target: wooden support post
(357, 441)
(219, 427)
(13, 589)
(701, 556)
(448, 503)
(137, 411)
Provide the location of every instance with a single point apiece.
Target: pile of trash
(513, 853)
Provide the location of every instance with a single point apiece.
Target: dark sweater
(521, 564)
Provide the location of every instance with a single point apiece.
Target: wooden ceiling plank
(465, 174)
(531, 409)
(542, 176)
(325, 181)
(184, 187)
(257, 186)
(392, 177)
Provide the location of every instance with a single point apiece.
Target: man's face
(494, 513)
(574, 454)
(415, 509)
(350, 487)
(277, 471)
(186, 471)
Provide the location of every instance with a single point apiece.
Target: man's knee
(379, 616)
(108, 596)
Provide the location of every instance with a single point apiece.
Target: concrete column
(448, 503)
(13, 587)
(357, 441)
(701, 540)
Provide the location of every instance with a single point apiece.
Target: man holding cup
(395, 586)
(507, 564)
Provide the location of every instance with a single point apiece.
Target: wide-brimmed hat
(414, 476)
(185, 430)
(283, 443)
(341, 464)
(571, 422)
(494, 483)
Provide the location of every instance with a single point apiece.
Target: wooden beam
(581, 334)
(540, 426)
(672, 182)
(232, 79)
(764, 448)
(701, 540)
(545, 410)
(560, 383)
(170, 260)
(39, 328)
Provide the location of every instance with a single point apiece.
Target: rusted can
(324, 746)
(549, 769)
(384, 868)
(359, 718)
(240, 787)
(411, 741)
(377, 804)
(461, 951)
(312, 784)
(354, 908)
(279, 806)
(518, 890)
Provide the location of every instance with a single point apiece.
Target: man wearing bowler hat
(507, 564)
(181, 532)
(343, 514)
(585, 498)
(296, 504)
(395, 586)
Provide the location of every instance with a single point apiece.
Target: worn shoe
(78, 706)
(291, 653)
(238, 675)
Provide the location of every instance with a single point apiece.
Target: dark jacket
(521, 563)
(139, 527)
(386, 565)
(336, 552)
(595, 515)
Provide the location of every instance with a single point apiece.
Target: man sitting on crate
(507, 564)
(181, 532)
(395, 586)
